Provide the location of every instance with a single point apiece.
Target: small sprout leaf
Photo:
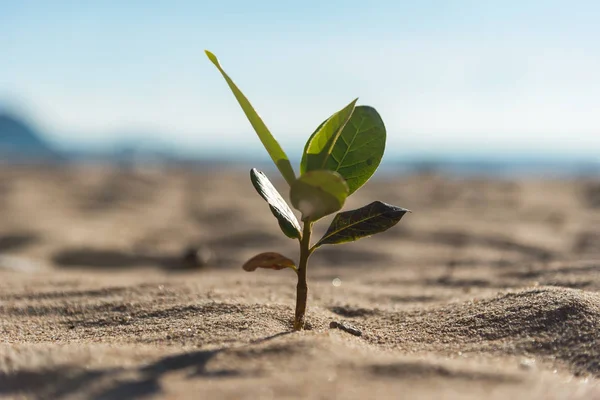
(319, 147)
(355, 153)
(365, 221)
(269, 260)
(279, 157)
(285, 216)
(318, 193)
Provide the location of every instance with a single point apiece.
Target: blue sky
(448, 77)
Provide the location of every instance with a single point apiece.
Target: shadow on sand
(65, 381)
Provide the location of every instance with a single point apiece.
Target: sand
(126, 283)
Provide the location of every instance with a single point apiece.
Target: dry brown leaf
(269, 260)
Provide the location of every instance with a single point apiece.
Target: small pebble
(345, 327)
(527, 364)
(197, 257)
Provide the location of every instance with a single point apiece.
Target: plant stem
(302, 287)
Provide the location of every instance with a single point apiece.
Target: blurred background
(141, 140)
(512, 82)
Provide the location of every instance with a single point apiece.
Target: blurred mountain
(21, 143)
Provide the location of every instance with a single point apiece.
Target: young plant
(339, 157)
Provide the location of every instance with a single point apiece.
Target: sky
(449, 78)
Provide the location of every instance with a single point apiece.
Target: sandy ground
(489, 289)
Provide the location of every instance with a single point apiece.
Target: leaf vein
(351, 142)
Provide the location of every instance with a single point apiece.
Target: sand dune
(128, 284)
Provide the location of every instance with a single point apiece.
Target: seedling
(339, 157)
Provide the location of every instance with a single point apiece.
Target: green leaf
(319, 146)
(279, 157)
(269, 260)
(357, 152)
(284, 214)
(352, 225)
(318, 193)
